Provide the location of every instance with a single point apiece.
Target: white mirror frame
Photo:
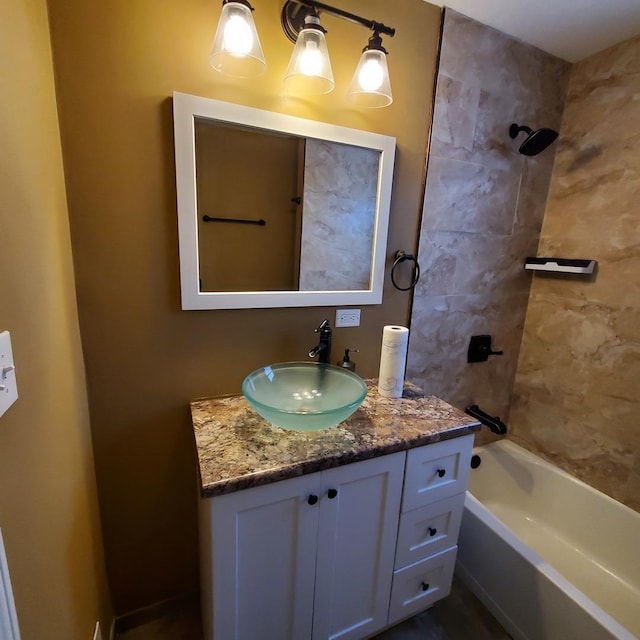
(186, 108)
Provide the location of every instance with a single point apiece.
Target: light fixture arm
(375, 42)
(295, 11)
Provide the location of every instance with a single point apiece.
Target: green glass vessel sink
(304, 396)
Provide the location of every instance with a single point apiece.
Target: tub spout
(494, 423)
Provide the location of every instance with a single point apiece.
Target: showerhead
(536, 141)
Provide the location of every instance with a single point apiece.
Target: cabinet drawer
(436, 471)
(419, 585)
(428, 530)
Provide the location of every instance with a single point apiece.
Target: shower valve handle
(480, 349)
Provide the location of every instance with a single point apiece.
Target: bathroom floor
(461, 616)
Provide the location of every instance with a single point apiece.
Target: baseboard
(151, 612)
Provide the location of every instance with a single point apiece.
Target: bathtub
(549, 556)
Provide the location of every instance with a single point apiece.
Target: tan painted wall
(243, 257)
(48, 501)
(576, 394)
(117, 65)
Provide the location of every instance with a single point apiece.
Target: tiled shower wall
(483, 210)
(576, 397)
(340, 184)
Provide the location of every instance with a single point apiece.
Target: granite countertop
(238, 449)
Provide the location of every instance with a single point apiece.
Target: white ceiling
(569, 29)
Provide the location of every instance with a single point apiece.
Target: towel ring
(401, 256)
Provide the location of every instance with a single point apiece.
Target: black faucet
(323, 348)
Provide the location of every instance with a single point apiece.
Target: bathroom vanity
(337, 533)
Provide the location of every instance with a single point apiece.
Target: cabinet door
(264, 561)
(356, 546)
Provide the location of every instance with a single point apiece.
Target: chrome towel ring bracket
(402, 256)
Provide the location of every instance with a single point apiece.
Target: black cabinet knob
(332, 493)
(312, 499)
(425, 586)
(432, 531)
(441, 473)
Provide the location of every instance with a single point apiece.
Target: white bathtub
(549, 556)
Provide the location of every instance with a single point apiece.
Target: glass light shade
(370, 86)
(236, 49)
(309, 69)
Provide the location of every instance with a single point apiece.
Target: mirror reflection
(300, 211)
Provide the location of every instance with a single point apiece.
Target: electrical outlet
(347, 317)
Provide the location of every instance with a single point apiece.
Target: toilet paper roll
(393, 358)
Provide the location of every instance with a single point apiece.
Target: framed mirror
(276, 210)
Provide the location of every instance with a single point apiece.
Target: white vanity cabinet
(435, 483)
(338, 554)
(308, 558)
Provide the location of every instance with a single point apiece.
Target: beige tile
(576, 393)
(469, 197)
(484, 206)
(456, 105)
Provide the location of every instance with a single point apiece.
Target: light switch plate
(8, 386)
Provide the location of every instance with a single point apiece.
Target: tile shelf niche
(561, 265)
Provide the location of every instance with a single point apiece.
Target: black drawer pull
(432, 531)
(441, 473)
(425, 586)
(332, 493)
(312, 499)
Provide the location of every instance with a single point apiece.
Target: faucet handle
(324, 326)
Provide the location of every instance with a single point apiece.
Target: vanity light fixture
(236, 49)
(371, 86)
(309, 70)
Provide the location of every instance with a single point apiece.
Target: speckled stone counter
(238, 449)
